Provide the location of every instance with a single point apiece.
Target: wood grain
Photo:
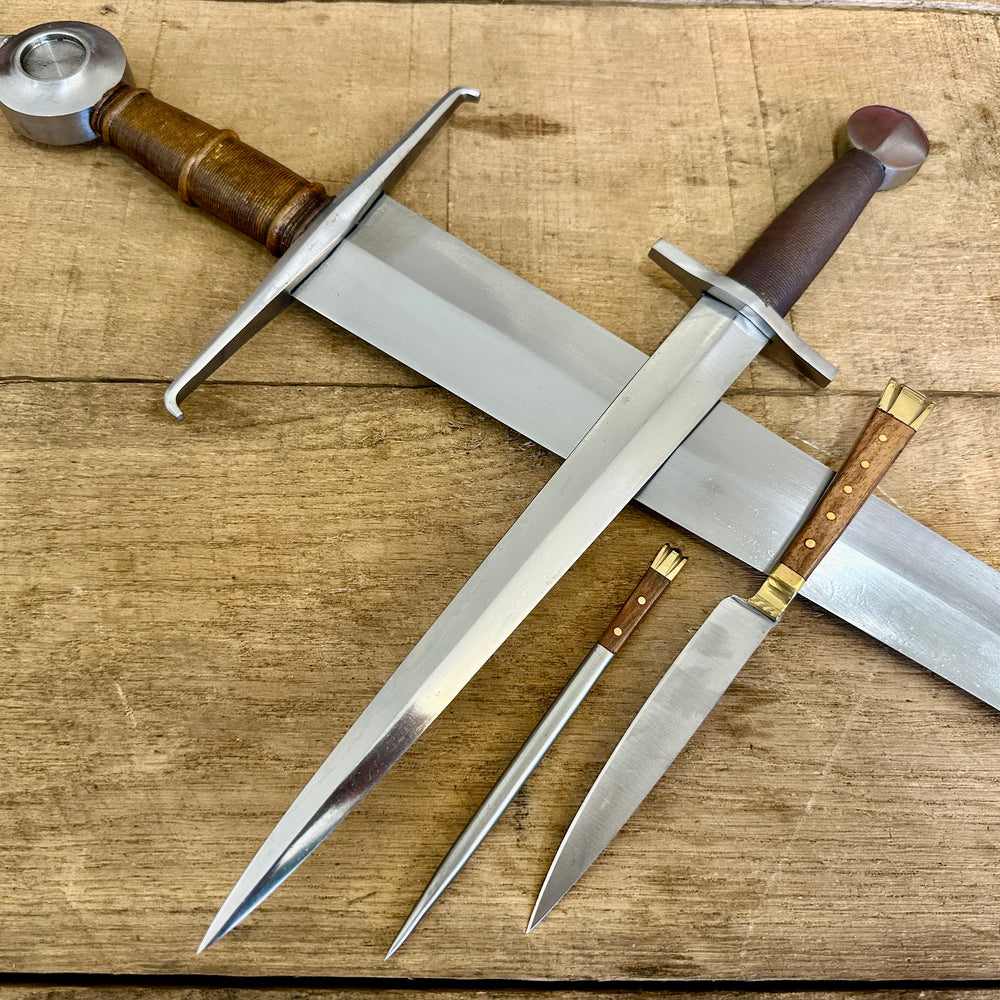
(193, 614)
(879, 445)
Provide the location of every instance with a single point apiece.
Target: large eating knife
(663, 570)
(734, 319)
(716, 653)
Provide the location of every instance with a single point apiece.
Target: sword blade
(426, 298)
(677, 706)
(651, 415)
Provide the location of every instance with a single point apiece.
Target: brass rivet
(641, 600)
(618, 631)
(810, 543)
(865, 465)
(831, 516)
(882, 437)
(848, 489)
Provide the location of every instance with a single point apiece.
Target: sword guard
(68, 82)
(320, 238)
(785, 345)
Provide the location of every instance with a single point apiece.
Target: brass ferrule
(668, 562)
(905, 404)
(777, 592)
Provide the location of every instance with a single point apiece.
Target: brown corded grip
(210, 167)
(793, 249)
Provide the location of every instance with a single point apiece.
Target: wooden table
(194, 613)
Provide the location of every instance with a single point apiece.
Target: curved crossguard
(317, 242)
(68, 82)
(884, 149)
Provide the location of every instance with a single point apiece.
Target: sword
(716, 653)
(450, 313)
(661, 573)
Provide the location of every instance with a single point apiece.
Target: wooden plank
(558, 174)
(195, 613)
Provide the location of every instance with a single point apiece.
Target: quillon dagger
(647, 420)
(663, 570)
(718, 650)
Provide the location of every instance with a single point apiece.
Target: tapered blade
(678, 705)
(508, 785)
(650, 417)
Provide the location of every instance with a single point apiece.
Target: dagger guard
(784, 344)
(320, 238)
(885, 148)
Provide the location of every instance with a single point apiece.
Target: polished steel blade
(426, 298)
(651, 415)
(507, 786)
(678, 705)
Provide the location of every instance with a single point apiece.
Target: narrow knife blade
(664, 569)
(677, 706)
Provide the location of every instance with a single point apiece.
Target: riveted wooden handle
(886, 434)
(210, 167)
(667, 564)
(789, 254)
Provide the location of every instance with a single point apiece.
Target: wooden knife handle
(210, 167)
(665, 567)
(900, 411)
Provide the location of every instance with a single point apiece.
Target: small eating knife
(718, 650)
(664, 568)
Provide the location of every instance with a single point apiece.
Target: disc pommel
(892, 137)
(52, 76)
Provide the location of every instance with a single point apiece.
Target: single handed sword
(730, 635)
(429, 300)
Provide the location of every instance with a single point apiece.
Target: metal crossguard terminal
(59, 83)
(318, 241)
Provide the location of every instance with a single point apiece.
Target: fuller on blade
(643, 425)
(719, 649)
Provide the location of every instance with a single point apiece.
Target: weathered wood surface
(193, 614)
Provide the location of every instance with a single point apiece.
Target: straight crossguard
(427, 299)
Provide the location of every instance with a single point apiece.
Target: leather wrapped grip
(793, 249)
(210, 167)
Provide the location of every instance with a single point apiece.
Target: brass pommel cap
(52, 76)
(892, 137)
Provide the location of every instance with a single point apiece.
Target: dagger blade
(655, 411)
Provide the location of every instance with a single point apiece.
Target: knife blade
(716, 653)
(646, 421)
(667, 563)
